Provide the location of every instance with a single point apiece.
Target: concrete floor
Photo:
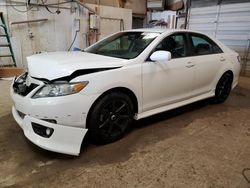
(200, 145)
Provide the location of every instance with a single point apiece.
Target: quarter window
(204, 46)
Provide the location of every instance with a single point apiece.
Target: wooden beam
(10, 71)
(173, 21)
(169, 20)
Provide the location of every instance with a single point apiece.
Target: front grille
(50, 120)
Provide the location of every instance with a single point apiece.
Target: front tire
(223, 88)
(110, 118)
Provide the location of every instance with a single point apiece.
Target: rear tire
(110, 118)
(223, 88)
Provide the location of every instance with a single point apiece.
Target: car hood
(55, 65)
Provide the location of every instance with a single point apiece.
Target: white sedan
(129, 75)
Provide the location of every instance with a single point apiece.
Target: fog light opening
(49, 131)
(41, 130)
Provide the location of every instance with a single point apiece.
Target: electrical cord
(47, 8)
(73, 40)
(30, 5)
(60, 3)
(22, 11)
(44, 3)
(244, 175)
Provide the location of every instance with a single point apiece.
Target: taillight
(238, 58)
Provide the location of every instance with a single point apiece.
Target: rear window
(203, 45)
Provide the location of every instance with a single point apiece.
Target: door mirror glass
(161, 56)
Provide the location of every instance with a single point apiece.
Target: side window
(175, 44)
(204, 46)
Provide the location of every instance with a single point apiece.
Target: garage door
(229, 23)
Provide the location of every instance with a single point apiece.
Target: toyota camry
(127, 76)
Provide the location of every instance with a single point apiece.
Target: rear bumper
(64, 139)
(236, 72)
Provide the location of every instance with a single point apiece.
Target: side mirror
(161, 56)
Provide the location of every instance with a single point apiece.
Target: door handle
(222, 59)
(190, 64)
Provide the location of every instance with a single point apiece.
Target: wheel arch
(219, 76)
(230, 72)
(124, 90)
(222, 93)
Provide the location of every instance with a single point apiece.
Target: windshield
(125, 45)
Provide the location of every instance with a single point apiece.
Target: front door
(168, 82)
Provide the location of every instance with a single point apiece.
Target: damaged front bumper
(64, 139)
(55, 123)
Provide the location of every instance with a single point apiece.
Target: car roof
(165, 31)
(162, 30)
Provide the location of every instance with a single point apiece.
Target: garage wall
(56, 34)
(230, 23)
(138, 6)
(168, 16)
(112, 19)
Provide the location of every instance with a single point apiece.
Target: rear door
(208, 59)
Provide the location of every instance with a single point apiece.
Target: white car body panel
(65, 139)
(58, 64)
(205, 71)
(157, 86)
(158, 79)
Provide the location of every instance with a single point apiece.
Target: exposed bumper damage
(64, 139)
(55, 123)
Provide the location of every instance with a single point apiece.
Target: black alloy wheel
(223, 88)
(110, 118)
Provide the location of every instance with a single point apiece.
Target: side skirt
(174, 105)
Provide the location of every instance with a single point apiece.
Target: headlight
(60, 89)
